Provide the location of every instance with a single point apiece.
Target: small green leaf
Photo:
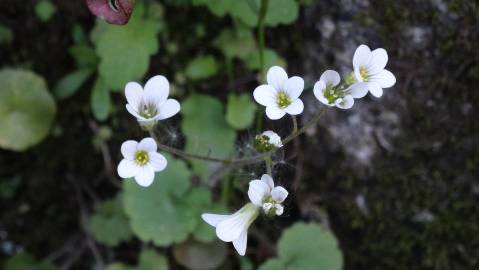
(206, 131)
(271, 58)
(69, 84)
(100, 100)
(201, 67)
(236, 43)
(200, 256)
(125, 51)
(149, 260)
(6, 35)
(282, 12)
(26, 262)
(44, 10)
(308, 247)
(84, 55)
(27, 109)
(161, 213)
(240, 111)
(109, 224)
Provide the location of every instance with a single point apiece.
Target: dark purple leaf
(112, 11)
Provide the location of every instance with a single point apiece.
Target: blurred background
(390, 184)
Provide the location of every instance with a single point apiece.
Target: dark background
(397, 177)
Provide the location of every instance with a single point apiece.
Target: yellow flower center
(142, 157)
(283, 100)
(363, 73)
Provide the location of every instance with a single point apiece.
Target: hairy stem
(238, 161)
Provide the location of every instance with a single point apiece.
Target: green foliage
(279, 11)
(6, 35)
(84, 55)
(100, 100)
(201, 67)
(69, 84)
(168, 210)
(45, 10)
(26, 261)
(238, 42)
(306, 247)
(149, 260)
(271, 58)
(200, 256)
(125, 51)
(109, 224)
(27, 109)
(206, 130)
(240, 111)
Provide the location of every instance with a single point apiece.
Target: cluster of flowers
(280, 96)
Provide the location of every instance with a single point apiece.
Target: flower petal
(279, 209)
(265, 95)
(294, 87)
(145, 176)
(345, 103)
(157, 90)
(157, 161)
(134, 94)
(133, 112)
(295, 108)
(330, 77)
(276, 77)
(169, 108)
(257, 191)
(232, 227)
(147, 144)
(318, 90)
(361, 57)
(268, 180)
(379, 59)
(375, 89)
(385, 79)
(240, 243)
(127, 168)
(214, 219)
(275, 113)
(358, 90)
(128, 149)
(279, 194)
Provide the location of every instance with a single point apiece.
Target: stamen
(142, 157)
(283, 100)
(363, 73)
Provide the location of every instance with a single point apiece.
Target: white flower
(234, 227)
(273, 138)
(141, 161)
(264, 194)
(151, 104)
(369, 68)
(280, 95)
(327, 91)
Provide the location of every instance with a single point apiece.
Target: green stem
(295, 123)
(262, 15)
(269, 165)
(238, 161)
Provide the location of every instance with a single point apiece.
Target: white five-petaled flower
(264, 194)
(234, 227)
(273, 138)
(140, 160)
(327, 91)
(281, 94)
(151, 104)
(369, 68)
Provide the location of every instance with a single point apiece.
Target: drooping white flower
(151, 104)
(267, 141)
(264, 194)
(234, 227)
(141, 161)
(326, 90)
(281, 94)
(369, 68)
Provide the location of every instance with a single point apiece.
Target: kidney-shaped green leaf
(26, 109)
